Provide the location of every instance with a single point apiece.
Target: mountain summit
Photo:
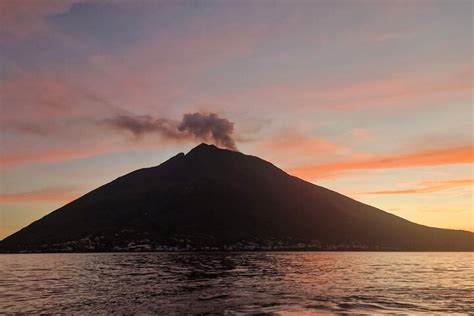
(216, 199)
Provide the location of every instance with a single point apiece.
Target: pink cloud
(294, 147)
(42, 97)
(298, 143)
(400, 91)
(71, 151)
(397, 91)
(21, 19)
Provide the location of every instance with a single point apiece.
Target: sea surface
(267, 282)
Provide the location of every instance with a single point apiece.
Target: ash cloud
(202, 126)
(197, 126)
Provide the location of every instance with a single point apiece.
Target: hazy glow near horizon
(372, 99)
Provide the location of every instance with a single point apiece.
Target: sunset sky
(372, 99)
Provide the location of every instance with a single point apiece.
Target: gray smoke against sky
(196, 126)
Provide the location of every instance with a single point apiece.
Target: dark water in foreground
(294, 282)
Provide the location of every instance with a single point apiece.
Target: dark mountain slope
(215, 198)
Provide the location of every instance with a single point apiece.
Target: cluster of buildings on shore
(100, 244)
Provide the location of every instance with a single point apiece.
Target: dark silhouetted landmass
(216, 199)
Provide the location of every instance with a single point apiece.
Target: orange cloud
(49, 194)
(428, 187)
(444, 156)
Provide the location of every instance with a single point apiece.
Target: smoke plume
(196, 126)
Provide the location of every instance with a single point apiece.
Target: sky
(372, 99)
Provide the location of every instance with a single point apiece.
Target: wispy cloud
(361, 135)
(57, 194)
(20, 19)
(427, 187)
(71, 152)
(16, 159)
(447, 210)
(423, 158)
(301, 144)
(397, 91)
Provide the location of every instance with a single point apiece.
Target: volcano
(217, 199)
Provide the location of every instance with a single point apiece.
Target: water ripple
(259, 282)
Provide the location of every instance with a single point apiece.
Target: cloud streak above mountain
(193, 126)
(427, 187)
(424, 158)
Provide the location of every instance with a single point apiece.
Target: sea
(238, 283)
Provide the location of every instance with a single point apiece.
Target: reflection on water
(238, 282)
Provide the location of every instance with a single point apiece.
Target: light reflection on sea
(273, 282)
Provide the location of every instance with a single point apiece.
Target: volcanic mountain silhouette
(216, 199)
